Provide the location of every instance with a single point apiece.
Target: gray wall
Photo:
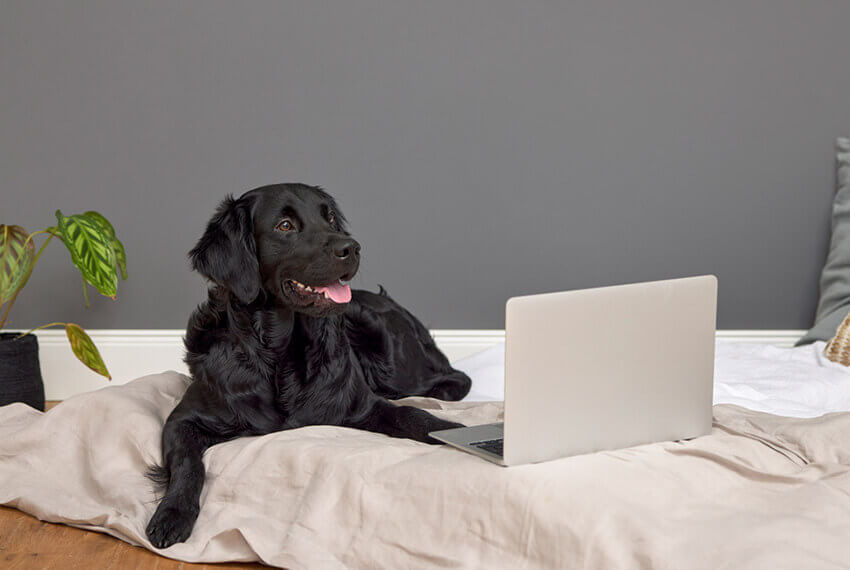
(480, 149)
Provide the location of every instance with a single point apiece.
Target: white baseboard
(132, 353)
(128, 354)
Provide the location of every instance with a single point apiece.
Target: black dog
(282, 343)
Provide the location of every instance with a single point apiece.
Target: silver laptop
(602, 368)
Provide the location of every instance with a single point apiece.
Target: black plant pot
(20, 371)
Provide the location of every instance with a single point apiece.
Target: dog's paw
(438, 425)
(170, 525)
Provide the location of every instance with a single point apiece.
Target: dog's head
(288, 241)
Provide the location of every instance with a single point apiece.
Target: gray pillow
(834, 301)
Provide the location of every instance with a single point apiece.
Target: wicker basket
(838, 348)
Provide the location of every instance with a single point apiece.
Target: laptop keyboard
(494, 446)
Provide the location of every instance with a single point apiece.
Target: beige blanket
(761, 491)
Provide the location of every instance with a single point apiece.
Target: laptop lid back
(608, 368)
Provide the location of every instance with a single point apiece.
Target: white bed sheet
(796, 382)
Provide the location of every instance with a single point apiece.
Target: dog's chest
(318, 391)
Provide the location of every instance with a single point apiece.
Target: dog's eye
(331, 218)
(286, 225)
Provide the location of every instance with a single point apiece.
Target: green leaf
(85, 350)
(91, 251)
(17, 256)
(117, 246)
(101, 221)
(120, 257)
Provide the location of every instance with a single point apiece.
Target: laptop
(599, 369)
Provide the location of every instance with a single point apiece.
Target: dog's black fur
(267, 356)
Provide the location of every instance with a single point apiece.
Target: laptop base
(464, 439)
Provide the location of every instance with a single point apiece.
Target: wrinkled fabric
(760, 491)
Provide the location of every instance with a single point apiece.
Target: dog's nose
(346, 248)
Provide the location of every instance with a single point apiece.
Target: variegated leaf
(117, 246)
(91, 251)
(16, 258)
(120, 257)
(85, 350)
(100, 220)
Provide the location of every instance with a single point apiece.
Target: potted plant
(98, 254)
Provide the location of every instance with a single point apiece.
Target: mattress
(761, 490)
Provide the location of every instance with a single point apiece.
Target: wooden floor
(26, 542)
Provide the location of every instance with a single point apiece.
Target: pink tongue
(338, 292)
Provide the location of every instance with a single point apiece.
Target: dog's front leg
(403, 421)
(183, 446)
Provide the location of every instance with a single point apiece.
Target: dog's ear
(226, 253)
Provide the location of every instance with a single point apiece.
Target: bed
(769, 487)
